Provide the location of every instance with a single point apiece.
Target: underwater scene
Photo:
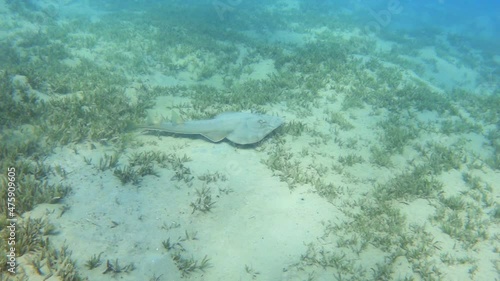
(278, 140)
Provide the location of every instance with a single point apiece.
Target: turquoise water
(383, 163)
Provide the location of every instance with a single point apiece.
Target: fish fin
(215, 136)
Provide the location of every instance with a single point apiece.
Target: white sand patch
(260, 224)
(448, 73)
(260, 70)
